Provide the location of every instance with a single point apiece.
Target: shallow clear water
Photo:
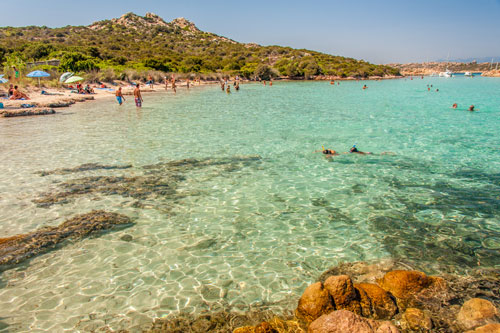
(256, 232)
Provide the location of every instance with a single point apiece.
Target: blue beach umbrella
(2, 80)
(38, 74)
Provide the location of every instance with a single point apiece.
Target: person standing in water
(138, 96)
(174, 87)
(187, 83)
(222, 85)
(228, 89)
(166, 83)
(119, 96)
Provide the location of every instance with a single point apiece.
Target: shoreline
(58, 98)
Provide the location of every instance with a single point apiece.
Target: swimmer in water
(454, 106)
(327, 152)
(355, 150)
(364, 87)
(471, 108)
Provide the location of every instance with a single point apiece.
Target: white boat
(468, 74)
(447, 73)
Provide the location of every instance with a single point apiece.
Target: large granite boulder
(314, 302)
(343, 293)
(410, 286)
(343, 321)
(477, 312)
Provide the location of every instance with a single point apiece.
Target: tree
(76, 62)
(38, 51)
(265, 72)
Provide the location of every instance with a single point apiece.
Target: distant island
(126, 48)
(429, 68)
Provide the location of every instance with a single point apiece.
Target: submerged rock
(83, 167)
(343, 321)
(160, 181)
(477, 312)
(490, 328)
(16, 249)
(226, 322)
(416, 320)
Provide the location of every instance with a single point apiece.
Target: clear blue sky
(378, 31)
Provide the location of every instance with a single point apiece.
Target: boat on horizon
(470, 74)
(446, 73)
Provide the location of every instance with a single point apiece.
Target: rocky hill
(149, 42)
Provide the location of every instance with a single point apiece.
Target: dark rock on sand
(27, 112)
(127, 238)
(83, 167)
(16, 249)
(160, 181)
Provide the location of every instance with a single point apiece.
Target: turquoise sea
(253, 216)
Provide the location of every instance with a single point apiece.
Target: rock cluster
(408, 298)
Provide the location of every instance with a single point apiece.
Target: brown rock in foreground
(379, 302)
(342, 291)
(314, 302)
(477, 312)
(343, 321)
(16, 249)
(411, 288)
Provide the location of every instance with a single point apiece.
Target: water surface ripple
(231, 206)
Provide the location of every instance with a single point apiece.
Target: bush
(265, 72)
(77, 62)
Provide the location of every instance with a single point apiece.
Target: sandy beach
(56, 98)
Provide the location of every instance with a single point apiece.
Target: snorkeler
(327, 152)
(356, 151)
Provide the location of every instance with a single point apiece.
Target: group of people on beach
(15, 94)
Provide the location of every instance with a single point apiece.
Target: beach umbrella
(2, 80)
(65, 76)
(38, 74)
(74, 79)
